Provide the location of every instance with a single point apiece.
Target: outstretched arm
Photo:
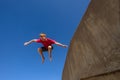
(29, 42)
(59, 44)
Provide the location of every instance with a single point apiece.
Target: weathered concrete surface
(109, 76)
(94, 52)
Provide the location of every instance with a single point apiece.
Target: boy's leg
(50, 52)
(41, 53)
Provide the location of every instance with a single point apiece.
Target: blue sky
(23, 20)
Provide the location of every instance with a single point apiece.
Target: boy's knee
(39, 49)
(49, 47)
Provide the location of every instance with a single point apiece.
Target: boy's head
(42, 36)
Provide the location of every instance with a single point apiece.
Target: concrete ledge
(95, 46)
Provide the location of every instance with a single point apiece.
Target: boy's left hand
(65, 46)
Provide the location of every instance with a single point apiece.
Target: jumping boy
(47, 45)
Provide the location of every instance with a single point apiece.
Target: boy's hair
(42, 34)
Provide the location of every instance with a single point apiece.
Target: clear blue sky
(23, 20)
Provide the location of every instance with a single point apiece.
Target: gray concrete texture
(94, 52)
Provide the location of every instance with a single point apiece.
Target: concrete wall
(94, 52)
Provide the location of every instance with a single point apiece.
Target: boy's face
(43, 37)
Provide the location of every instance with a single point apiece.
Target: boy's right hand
(26, 43)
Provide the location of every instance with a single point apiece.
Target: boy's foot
(50, 59)
(50, 56)
(43, 59)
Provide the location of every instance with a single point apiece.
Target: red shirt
(46, 43)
